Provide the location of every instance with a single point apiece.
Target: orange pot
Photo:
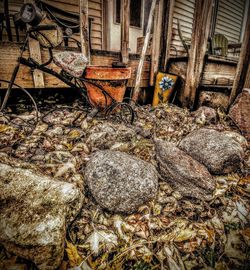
(113, 81)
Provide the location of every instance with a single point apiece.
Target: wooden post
(155, 54)
(201, 26)
(166, 36)
(7, 19)
(143, 53)
(243, 63)
(106, 25)
(84, 27)
(35, 53)
(169, 31)
(125, 22)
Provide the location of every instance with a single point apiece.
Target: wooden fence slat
(201, 27)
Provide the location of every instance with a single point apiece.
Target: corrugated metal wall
(95, 12)
(184, 11)
(229, 19)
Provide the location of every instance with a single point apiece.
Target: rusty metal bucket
(113, 81)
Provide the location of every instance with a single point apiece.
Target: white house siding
(184, 11)
(229, 19)
(95, 12)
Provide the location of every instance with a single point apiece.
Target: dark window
(118, 11)
(135, 12)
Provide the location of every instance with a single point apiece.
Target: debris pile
(204, 226)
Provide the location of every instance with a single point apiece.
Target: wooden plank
(35, 53)
(7, 19)
(243, 64)
(125, 21)
(169, 32)
(136, 90)
(156, 42)
(84, 28)
(214, 70)
(201, 26)
(106, 25)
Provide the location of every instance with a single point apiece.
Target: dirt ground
(171, 232)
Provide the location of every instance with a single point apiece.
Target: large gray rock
(35, 211)
(219, 153)
(182, 172)
(120, 182)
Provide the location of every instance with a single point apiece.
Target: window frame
(131, 26)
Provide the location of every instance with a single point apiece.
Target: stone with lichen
(120, 182)
(182, 172)
(35, 212)
(219, 153)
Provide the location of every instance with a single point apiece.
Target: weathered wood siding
(217, 72)
(229, 19)
(14, 7)
(184, 11)
(95, 12)
(9, 53)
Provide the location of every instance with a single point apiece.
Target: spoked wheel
(27, 104)
(121, 111)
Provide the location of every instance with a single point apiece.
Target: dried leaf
(73, 255)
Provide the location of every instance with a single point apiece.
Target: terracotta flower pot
(113, 81)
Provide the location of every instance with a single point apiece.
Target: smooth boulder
(219, 153)
(120, 182)
(182, 172)
(35, 212)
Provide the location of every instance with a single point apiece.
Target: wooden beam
(84, 28)
(7, 19)
(200, 32)
(155, 54)
(125, 22)
(243, 63)
(169, 32)
(106, 25)
(166, 36)
(143, 53)
(35, 53)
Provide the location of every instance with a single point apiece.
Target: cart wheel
(28, 105)
(122, 111)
